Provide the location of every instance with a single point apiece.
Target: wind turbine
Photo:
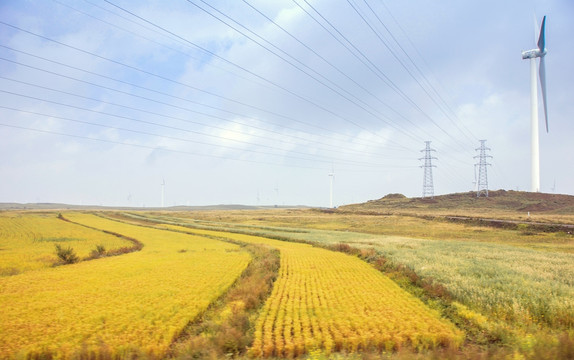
(331, 176)
(162, 192)
(540, 52)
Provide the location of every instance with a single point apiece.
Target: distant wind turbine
(539, 52)
(162, 192)
(331, 176)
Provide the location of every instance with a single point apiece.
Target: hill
(499, 204)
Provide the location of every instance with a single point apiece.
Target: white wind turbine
(162, 192)
(331, 176)
(540, 52)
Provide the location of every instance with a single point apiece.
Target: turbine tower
(539, 52)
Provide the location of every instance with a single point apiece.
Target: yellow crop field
(120, 306)
(27, 241)
(335, 302)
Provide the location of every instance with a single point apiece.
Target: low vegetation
(66, 255)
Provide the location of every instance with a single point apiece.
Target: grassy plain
(130, 305)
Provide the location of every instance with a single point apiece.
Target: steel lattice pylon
(482, 184)
(428, 186)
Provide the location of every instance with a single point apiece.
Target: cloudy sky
(257, 102)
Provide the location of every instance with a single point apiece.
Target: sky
(257, 102)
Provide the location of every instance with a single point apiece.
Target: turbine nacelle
(534, 53)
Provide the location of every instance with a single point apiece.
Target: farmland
(335, 302)
(28, 241)
(130, 304)
(347, 284)
(509, 285)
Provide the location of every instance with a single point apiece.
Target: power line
(144, 146)
(425, 79)
(340, 72)
(369, 64)
(154, 75)
(338, 148)
(164, 78)
(469, 133)
(327, 159)
(160, 93)
(316, 159)
(415, 105)
(167, 104)
(275, 84)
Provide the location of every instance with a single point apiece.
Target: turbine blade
(542, 37)
(542, 75)
(535, 28)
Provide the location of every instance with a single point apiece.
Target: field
(500, 274)
(28, 241)
(335, 302)
(347, 284)
(136, 303)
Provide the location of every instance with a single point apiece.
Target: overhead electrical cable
(158, 92)
(372, 111)
(283, 88)
(329, 159)
(339, 91)
(469, 133)
(145, 146)
(148, 122)
(314, 159)
(337, 148)
(440, 104)
(34, 34)
(415, 105)
(140, 70)
(365, 59)
(361, 56)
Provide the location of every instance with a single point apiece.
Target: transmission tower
(482, 186)
(428, 187)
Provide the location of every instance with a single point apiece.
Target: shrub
(525, 229)
(99, 252)
(66, 255)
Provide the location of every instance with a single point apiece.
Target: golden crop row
(27, 241)
(134, 302)
(333, 301)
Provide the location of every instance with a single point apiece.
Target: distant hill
(499, 202)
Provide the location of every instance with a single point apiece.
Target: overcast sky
(256, 102)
